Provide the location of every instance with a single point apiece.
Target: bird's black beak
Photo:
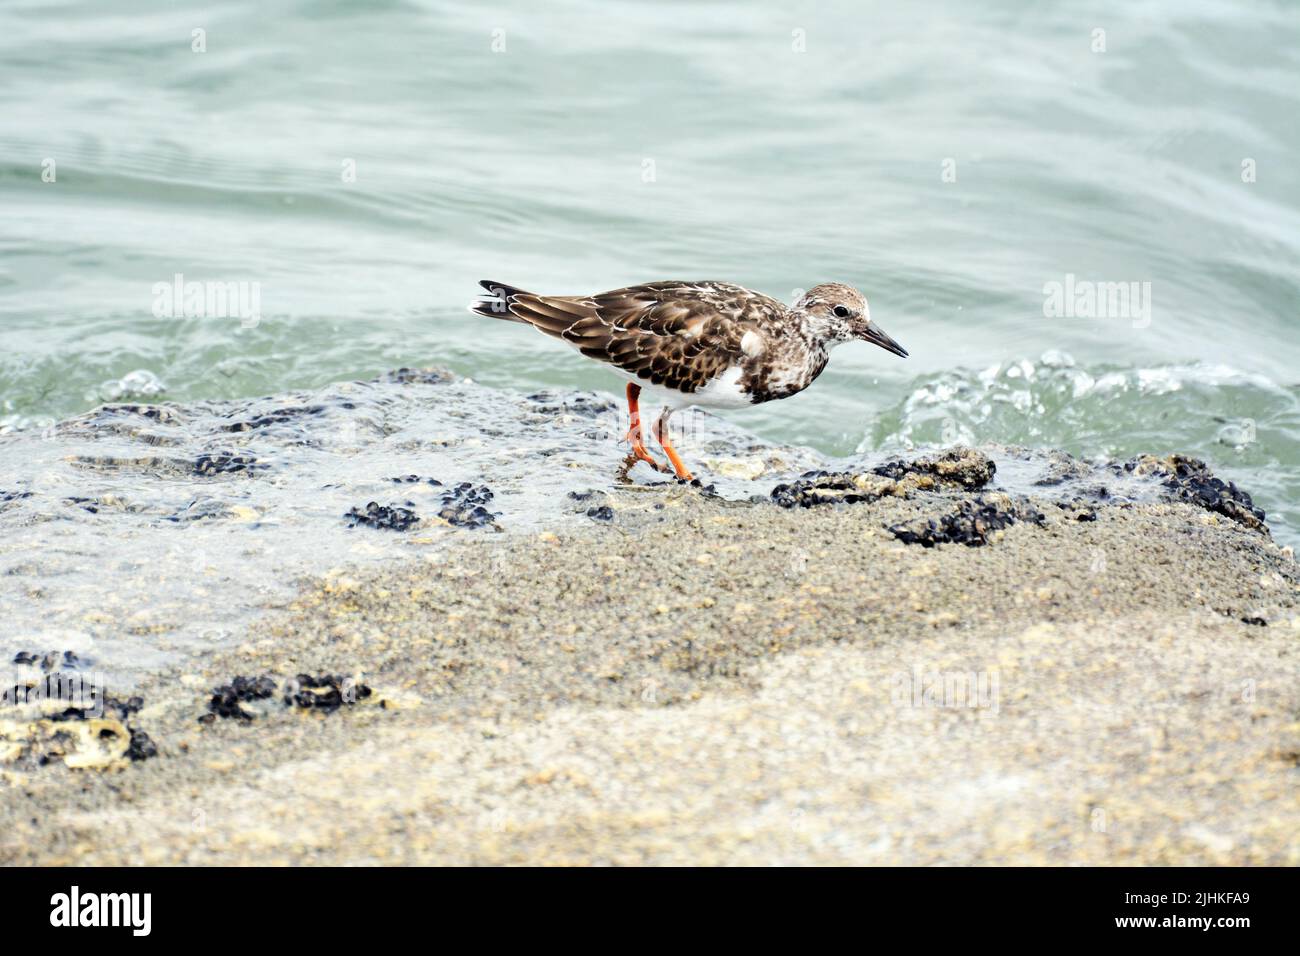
(877, 337)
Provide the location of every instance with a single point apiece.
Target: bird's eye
(841, 312)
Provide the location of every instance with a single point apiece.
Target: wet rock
(327, 692)
(48, 661)
(590, 498)
(229, 700)
(384, 517)
(246, 698)
(249, 539)
(973, 523)
(592, 503)
(963, 468)
(285, 416)
(1078, 509)
(1062, 467)
(222, 463)
(418, 376)
(822, 488)
(141, 747)
(465, 507)
(571, 403)
(416, 479)
(48, 726)
(164, 414)
(1190, 480)
(747, 469)
(200, 509)
(94, 744)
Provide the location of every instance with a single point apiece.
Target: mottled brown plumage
(705, 343)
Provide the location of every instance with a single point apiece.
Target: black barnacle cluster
(281, 416)
(387, 517)
(417, 376)
(325, 692)
(48, 662)
(971, 523)
(416, 480)
(819, 488)
(1190, 480)
(227, 699)
(328, 692)
(222, 463)
(56, 669)
(963, 467)
(465, 506)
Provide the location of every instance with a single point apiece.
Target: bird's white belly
(723, 392)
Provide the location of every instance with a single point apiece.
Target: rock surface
(659, 673)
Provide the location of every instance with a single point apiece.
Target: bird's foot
(629, 462)
(679, 468)
(639, 453)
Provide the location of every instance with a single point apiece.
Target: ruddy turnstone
(711, 344)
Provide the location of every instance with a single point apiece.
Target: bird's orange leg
(661, 435)
(639, 452)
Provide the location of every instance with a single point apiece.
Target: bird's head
(839, 313)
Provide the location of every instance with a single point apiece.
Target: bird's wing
(679, 335)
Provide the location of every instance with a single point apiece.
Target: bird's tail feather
(496, 303)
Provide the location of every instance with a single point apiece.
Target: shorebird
(710, 344)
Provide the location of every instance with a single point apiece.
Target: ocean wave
(1099, 410)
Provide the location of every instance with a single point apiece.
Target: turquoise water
(950, 161)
